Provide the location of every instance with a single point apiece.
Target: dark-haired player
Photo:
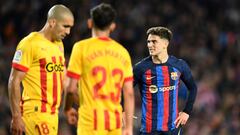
(101, 68)
(158, 77)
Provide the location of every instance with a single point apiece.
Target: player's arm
(135, 82)
(65, 80)
(73, 75)
(16, 76)
(192, 88)
(188, 80)
(70, 99)
(128, 95)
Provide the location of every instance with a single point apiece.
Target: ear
(112, 27)
(166, 43)
(89, 23)
(52, 23)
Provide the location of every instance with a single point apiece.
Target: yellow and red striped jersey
(102, 66)
(43, 62)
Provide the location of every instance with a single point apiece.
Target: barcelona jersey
(101, 66)
(43, 63)
(159, 85)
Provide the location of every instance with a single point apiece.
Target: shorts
(37, 123)
(177, 131)
(82, 131)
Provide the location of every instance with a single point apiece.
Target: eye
(66, 26)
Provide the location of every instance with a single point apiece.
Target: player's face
(156, 45)
(62, 28)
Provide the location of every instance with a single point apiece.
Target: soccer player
(38, 66)
(158, 77)
(101, 68)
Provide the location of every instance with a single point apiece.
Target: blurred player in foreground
(99, 69)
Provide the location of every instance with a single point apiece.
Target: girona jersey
(102, 66)
(43, 62)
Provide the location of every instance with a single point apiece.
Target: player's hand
(127, 131)
(181, 119)
(72, 116)
(17, 126)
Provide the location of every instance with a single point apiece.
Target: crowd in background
(206, 33)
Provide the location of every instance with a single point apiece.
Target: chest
(49, 52)
(48, 56)
(161, 75)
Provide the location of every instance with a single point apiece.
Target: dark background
(206, 35)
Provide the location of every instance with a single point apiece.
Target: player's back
(104, 66)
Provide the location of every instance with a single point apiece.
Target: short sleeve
(128, 69)
(74, 69)
(23, 56)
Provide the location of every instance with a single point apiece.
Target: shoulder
(144, 62)
(80, 44)
(174, 60)
(117, 45)
(28, 40)
(177, 63)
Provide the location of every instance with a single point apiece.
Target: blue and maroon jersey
(159, 85)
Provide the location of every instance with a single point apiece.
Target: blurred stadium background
(206, 35)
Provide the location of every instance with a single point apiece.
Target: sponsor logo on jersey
(149, 78)
(50, 67)
(61, 48)
(17, 56)
(154, 88)
(168, 88)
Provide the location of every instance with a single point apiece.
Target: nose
(67, 31)
(149, 44)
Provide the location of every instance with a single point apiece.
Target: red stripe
(165, 98)
(61, 81)
(118, 122)
(107, 122)
(104, 38)
(177, 98)
(128, 79)
(95, 119)
(19, 67)
(73, 75)
(148, 74)
(53, 108)
(43, 80)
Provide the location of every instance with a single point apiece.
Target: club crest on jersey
(61, 48)
(17, 56)
(174, 75)
(153, 88)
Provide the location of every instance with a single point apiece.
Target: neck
(159, 59)
(45, 31)
(100, 33)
